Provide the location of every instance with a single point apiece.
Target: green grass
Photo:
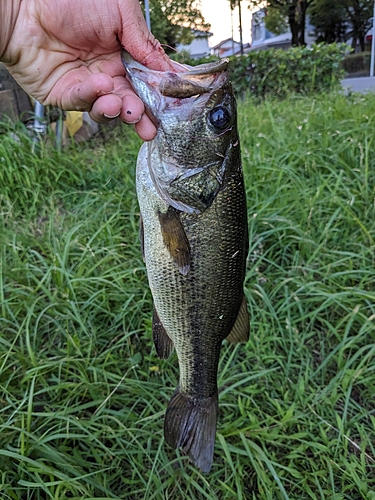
(82, 393)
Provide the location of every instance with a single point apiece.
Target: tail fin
(191, 424)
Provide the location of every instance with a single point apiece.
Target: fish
(194, 237)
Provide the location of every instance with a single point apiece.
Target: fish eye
(219, 117)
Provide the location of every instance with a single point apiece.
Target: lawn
(82, 392)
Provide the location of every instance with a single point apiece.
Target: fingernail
(134, 121)
(111, 117)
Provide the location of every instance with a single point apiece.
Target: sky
(218, 14)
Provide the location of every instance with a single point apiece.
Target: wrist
(8, 15)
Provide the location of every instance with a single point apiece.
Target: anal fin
(190, 424)
(163, 343)
(241, 328)
(175, 239)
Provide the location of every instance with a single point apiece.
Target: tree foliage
(276, 21)
(330, 21)
(172, 21)
(359, 14)
(334, 20)
(340, 21)
(294, 10)
(234, 3)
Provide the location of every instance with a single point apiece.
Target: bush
(279, 73)
(184, 57)
(357, 63)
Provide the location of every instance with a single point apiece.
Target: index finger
(137, 39)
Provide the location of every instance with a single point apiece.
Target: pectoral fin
(163, 343)
(241, 328)
(142, 236)
(175, 239)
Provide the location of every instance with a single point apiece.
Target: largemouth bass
(194, 237)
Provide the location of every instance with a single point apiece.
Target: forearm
(8, 15)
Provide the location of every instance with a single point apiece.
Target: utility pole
(147, 11)
(372, 44)
(240, 19)
(231, 20)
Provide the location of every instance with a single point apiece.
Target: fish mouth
(163, 90)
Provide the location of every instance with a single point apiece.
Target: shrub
(282, 72)
(184, 57)
(357, 63)
(279, 73)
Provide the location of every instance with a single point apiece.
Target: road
(362, 84)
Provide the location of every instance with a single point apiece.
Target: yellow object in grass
(74, 121)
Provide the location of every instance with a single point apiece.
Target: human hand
(66, 53)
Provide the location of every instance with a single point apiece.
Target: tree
(359, 14)
(339, 21)
(172, 21)
(276, 21)
(294, 10)
(330, 21)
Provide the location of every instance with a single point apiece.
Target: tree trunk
(293, 24)
(302, 23)
(297, 21)
(361, 38)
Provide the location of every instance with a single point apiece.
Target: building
(199, 46)
(229, 47)
(226, 48)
